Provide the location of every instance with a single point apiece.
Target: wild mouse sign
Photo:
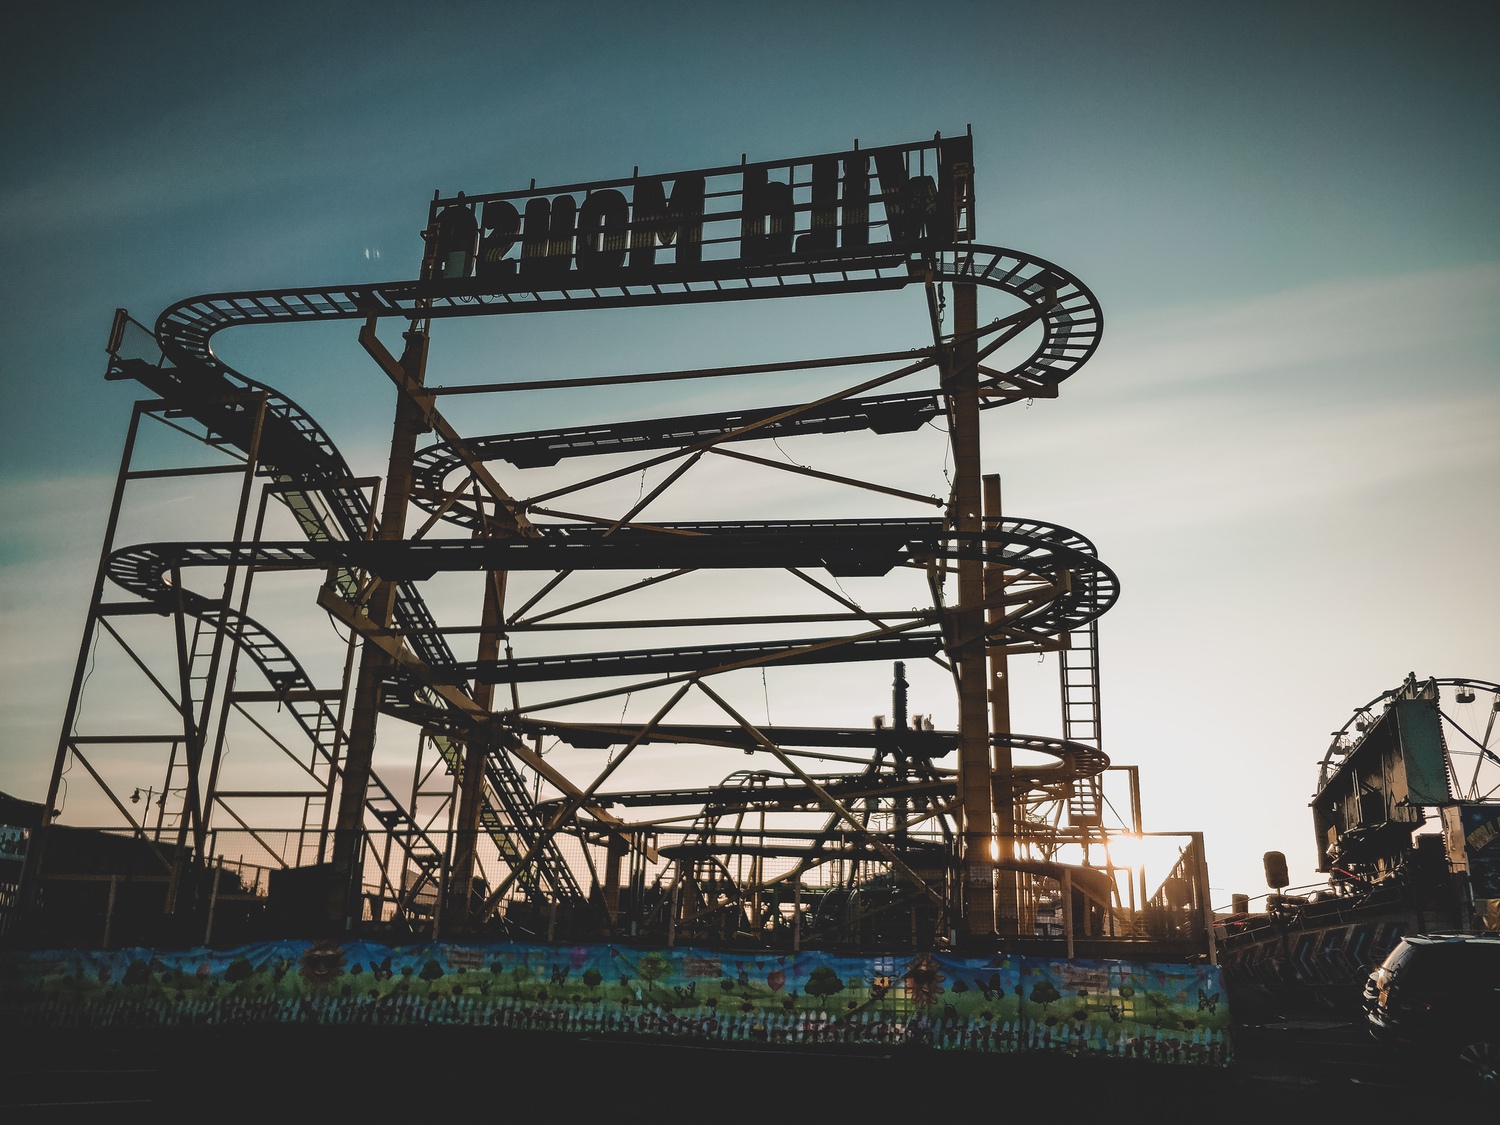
(896, 200)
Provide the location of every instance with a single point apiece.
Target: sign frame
(912, 199)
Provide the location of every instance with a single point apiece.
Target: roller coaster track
(1071, 320)
(296, 692)
(335, 514)
(885, 414)
(298, 453)
(1078, 586)
(1073, 760)
(1071, 325)
(711, 841)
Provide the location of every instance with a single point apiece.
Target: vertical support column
(1205, 902)
(900, 720)
(672, 909)
(31, 870)
(476, 753)
(962, 386)
(232, 671)
(614, 852)
(445, 870)
(192, 806)
(216, 656)
(109, 910)
(1002, 782)
(374, 663)
(161, 802)
(340, 732)
(1136, 826)
(335, 758)
(1069, 919)
(198, 803)
(797, 914)
(416, 788)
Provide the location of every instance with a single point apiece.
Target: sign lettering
(900, 199)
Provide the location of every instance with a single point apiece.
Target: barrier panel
(1164, 1013)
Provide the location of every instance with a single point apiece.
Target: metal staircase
(328, 504)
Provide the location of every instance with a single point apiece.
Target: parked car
(1437, 997)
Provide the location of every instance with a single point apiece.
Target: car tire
(1481, 1062)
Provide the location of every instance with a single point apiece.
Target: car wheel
(1481, 1060)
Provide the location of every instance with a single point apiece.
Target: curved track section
(1071, 326)
(1071, 319)
(885, 414)
(1074, 586)
(335, 514)
(288, 679)
(331, 508)
(1073, 761)
(302, 452)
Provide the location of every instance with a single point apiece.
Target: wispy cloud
(1430, 320)
(1218, 411)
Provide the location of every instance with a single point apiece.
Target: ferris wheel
(1467, 708)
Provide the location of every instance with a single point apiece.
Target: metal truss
(900, 849)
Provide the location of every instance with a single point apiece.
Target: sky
(1286, 446)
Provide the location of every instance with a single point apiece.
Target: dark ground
(1288, 1071)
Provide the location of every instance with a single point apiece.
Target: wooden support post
(961, 383)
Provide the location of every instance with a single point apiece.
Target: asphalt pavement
(1287, 1070)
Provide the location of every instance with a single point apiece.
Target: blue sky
(1286, 446)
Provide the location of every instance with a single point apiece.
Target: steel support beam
(476, 751)
(216, 656)
(410, 423)
(1003, 782)
(26, 895)
(961, 384)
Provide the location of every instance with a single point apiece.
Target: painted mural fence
(1165, 1013)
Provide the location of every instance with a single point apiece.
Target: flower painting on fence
(1165, 1013)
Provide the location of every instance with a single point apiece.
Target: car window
(1467, 964)
(1479, 963)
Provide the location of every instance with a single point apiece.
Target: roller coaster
(1009, 846)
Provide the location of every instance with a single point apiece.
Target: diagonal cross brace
(825, 798)
(424, 399)
(410, 663)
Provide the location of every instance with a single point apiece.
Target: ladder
(1078, 671)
